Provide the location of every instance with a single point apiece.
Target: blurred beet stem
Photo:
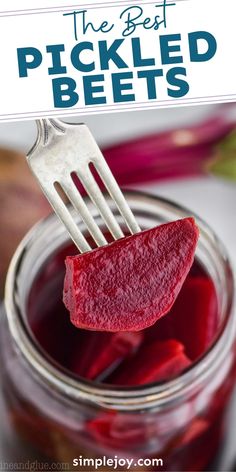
(172, 154)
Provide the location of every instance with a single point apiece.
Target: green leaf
(224, 165)
(224, 162)
(228, 143)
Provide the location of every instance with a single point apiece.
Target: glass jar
(50, 415)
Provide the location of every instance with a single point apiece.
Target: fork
(62, 150)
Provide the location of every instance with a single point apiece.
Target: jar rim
(155, 395)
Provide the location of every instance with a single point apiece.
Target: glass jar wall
(52, 415)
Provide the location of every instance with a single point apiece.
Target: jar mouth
(155, 395)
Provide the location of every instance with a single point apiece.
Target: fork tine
(116, 194)
(54, 157)
(66, 218)
(79, 204)
(99, 201)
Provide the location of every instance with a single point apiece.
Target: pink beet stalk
(172, 154)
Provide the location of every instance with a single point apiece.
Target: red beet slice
(192, 320)
(119, 345)
(85, 352)
(195, 315)
(153, 362)
(100, 351)
(131, 283)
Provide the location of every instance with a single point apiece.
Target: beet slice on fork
(131, 283)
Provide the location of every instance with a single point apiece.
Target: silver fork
(62, 149)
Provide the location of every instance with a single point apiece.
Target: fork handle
(48, 127)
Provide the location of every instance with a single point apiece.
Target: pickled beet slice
(119, 345)
(85, 351)
(129, 284)
(195, 315)
(100, 351)
(153, 362)
(193, 319)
